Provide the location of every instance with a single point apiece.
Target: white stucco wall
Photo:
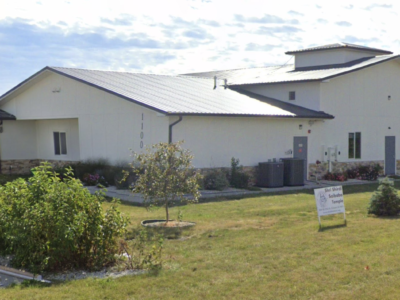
(215, 140)
(307, 93)
(327, 57)
(108, 125)
(359, 102)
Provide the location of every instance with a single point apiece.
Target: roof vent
(215, 82)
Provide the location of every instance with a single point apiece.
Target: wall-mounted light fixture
(389, 97)
(300, 126)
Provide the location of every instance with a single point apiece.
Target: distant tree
(166, 175)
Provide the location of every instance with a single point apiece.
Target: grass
(267, 247)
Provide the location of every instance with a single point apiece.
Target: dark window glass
(358, 145)
(292, 95)
(63, 142)
(56, 143)
(60, 143)
(351, 145)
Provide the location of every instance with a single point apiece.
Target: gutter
(170, 129)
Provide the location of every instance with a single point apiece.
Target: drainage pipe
(170, 129)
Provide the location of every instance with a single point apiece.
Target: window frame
(60, 143)
(354, 145)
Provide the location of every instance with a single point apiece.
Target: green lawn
(267, 247)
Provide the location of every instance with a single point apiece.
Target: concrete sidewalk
(127, 195)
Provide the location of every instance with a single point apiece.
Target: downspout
(170, 129)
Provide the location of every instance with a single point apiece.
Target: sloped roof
(181, 95)
(284, 74)
(6, 116)
(338, 46)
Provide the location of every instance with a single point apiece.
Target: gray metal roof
(340, 45)
(6, 116)
(181, 95)
(284, 74)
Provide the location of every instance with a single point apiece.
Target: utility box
(270, 174)
(293, 171)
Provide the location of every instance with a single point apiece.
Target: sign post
(329, 201)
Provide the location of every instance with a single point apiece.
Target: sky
(180, 36)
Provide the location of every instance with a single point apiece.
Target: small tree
(385, 201)
(166, 175)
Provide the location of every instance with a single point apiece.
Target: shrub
(385, 201)
(112, 174)
(144, 251)
(50, 224)
(367, 172)
(94, 180)
(215, 180)
(335, 176)
(238, 178)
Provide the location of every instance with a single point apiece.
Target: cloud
(181, 28)
(258, 47)
(211, 23)
(266, 19)
(376, 5)
(350, 6)
(343, 24)
(295, 13)
(198, 33)
(124, 20)
(277, 29)
(322, 21)
(353, 39)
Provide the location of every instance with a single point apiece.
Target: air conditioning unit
(293, 171)
(270, 174)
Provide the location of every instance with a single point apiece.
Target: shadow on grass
(326, 228)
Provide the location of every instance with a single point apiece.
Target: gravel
(74, 275)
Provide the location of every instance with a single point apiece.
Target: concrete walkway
(127, 195)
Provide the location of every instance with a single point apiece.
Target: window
(60, 143)
(292, 95)
(355, 145)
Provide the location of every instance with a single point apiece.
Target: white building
(338, 103)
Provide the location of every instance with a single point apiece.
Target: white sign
(329, 201)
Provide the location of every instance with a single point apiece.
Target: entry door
(300, 151)
(390, 155)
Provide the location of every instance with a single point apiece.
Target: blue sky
(180, 36)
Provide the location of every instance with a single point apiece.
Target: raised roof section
(333, 54)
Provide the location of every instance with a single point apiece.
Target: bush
(385, 201)
(238, 178)
(94, 180)
(144, 251)
(368, 172)
(215, 180)
(112, 174)
(50, 224)
(335, 176)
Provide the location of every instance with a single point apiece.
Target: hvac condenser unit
(270, 174)
(293, 171)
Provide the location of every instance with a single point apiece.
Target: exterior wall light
(300, 126)
(389, 97)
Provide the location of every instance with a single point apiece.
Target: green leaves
(52, 224)
(385, 201)
(166, 175)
